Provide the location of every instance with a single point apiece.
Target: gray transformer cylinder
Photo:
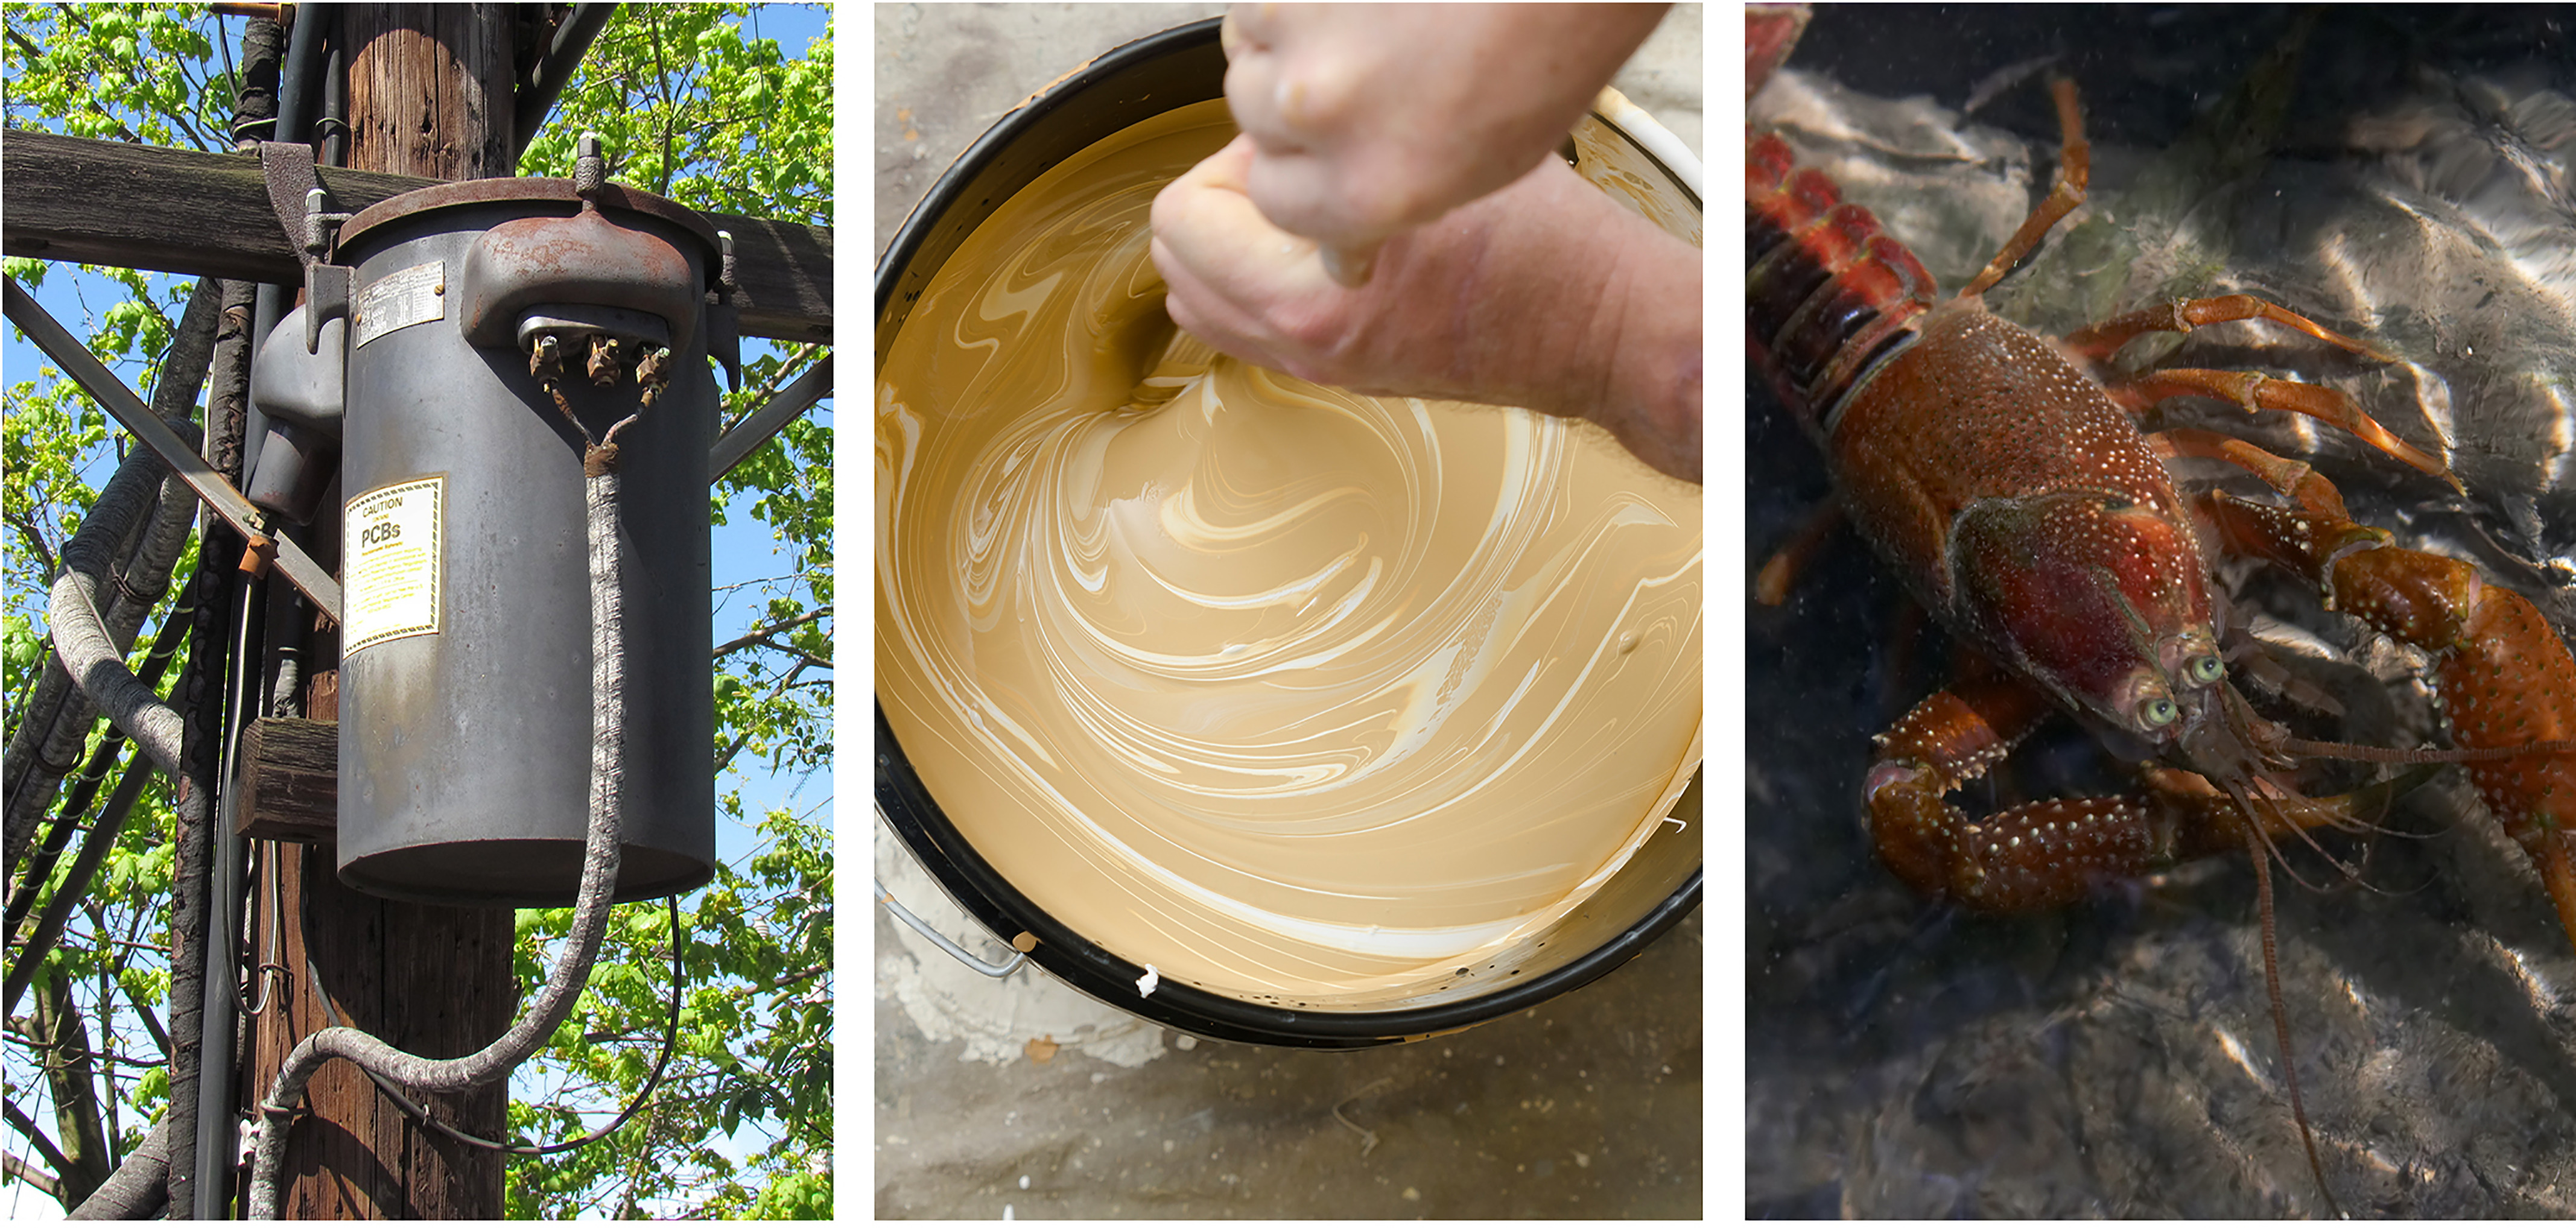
(466, 709)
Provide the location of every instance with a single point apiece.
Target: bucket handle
(921, 927)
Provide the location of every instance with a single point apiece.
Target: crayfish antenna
(2258, 844)
(2392, 754)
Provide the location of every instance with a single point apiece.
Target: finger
(1199, 311)
(1208, 224)
(1251, 94)
(1247, 24)
(1225, 168)
(1349, 265)
(1230, 33)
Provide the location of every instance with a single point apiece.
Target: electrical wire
(419, 1113)
(602, 851)
(84, 790)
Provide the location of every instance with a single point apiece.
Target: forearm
(1594, 315)
(1547, 295)
(1651, 392)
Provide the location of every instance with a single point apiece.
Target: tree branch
(662, 77)
(760, 635)
(35, 1134)
(138, 1186)
(793, 977)
(71, 1076)
(29, 1173)
(35, 535)
(123, 133)
(791, 650)
(142, 1010)
(767, 388)
(726, 760)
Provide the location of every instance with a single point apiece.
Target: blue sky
(743, 551)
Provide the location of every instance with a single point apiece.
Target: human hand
(1545, 294)
(1368, 119)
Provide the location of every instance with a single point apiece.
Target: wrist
(1634, 362)
(1653, 396)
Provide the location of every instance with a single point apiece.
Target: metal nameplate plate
(400, 299)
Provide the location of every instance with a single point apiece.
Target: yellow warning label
(390, 552)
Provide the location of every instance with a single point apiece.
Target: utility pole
(422, 93)
(429, 94)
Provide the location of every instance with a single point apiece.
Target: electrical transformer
(489, 331)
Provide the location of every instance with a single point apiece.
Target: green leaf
(690, 102)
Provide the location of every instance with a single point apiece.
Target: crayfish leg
(2036, 856)
(2101, 341)
(2074, 176)
(2297, 479)
(2505, 679)
(2252, 390)
(1779, 574)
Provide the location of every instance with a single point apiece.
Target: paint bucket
(1653, 889)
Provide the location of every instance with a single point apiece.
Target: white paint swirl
(1300, 695)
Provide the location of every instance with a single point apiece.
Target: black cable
(84, 790)
(670, 1042)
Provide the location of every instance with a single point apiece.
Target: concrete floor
(1023, 1098)
(945, 72)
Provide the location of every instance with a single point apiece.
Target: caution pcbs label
(390, 563)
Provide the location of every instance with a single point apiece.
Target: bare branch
(762, 641)
(34, 533)
(760, 635)
(765, 389)
(35, 1135)
(32, 1175)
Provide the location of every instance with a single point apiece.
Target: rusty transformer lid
(503, 191)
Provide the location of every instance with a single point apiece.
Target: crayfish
(2013, 495)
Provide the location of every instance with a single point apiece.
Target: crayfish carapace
(2013, 494)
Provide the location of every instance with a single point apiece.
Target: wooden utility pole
(429, 95)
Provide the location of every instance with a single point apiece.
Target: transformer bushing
(493, 328)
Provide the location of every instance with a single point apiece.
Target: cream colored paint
(1301, 696)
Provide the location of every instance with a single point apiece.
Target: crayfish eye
(2156, 712)
(2206, 669)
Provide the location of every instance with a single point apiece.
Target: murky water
(2119, 1058)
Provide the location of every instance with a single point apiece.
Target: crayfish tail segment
(1770, 31)
(1827, 291)
(2037, 856)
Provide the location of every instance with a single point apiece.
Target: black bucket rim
(997, 140)
(905, 805)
